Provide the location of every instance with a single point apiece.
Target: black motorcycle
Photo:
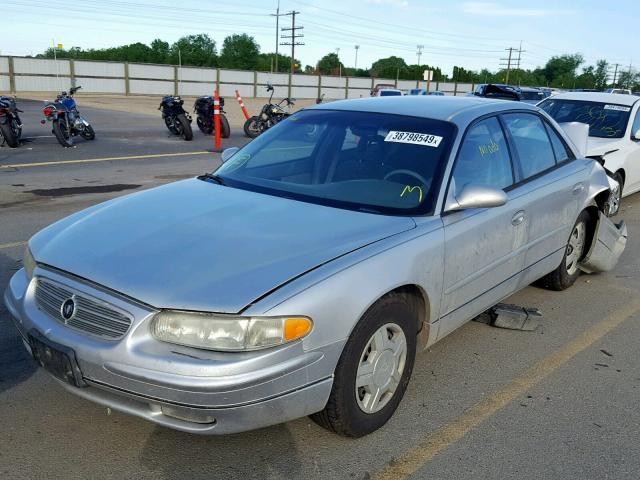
(175, 118)
(203, 107)
(269, 115)
(10, 124)
(66, 119)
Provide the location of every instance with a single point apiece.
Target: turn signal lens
(296, 327)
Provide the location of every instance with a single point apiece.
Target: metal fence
(24, 74)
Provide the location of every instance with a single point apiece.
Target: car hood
(201, 246)
(599, 146)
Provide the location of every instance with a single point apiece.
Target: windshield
(390, 93)
(373, 162)
(605, 120)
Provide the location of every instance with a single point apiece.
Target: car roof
(601, 97)
(530, 89)
(459, 110)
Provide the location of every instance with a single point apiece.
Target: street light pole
(277, 15)
(355, 66)
(339, 64)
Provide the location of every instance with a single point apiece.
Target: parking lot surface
(559, 402)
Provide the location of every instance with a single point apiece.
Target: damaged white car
(614, 135)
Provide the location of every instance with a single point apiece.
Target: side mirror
(478, 196)
(227, 153)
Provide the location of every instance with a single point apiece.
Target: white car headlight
(28, 263)
(229, 333)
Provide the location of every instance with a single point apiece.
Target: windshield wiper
(212, 177)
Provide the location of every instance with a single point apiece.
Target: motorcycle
(66, 119)
(10, 124)
(203, 106)
(177, 120)
(269, 115)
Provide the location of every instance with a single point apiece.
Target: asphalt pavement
(559, 402)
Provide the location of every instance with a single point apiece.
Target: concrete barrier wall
(24, 74)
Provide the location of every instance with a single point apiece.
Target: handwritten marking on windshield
(410, 189)
(488, 149)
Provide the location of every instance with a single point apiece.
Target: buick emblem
(68, 309)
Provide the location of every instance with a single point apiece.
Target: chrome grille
(91, 316)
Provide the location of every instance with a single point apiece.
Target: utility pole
(508, 64)
(615, 75)
(339, 64)
(277, 15)
(419, 53)
(355, 65)
(294, 35)
(518, 63)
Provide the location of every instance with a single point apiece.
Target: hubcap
(380, 369)
(575, 248)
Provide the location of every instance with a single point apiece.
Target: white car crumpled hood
(200, 246)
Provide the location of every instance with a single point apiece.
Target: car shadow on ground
(16, 365)
(273, 454)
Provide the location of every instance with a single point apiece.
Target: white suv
(614, 133)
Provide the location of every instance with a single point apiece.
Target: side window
(483, 158)
(559, 148)
(531, 143)
(636, 124)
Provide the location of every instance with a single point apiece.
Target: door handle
(577, 188)
(518, 218)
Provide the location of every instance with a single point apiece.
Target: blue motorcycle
(66, 119)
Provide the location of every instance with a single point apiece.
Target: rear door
(553, 186)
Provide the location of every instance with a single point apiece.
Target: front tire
(568, 272)
(225, 129)
(374, 369)
(252, 127)
(88, 133)
(62, 133)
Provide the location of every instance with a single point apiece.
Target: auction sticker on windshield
(617, 107)
(413, 138)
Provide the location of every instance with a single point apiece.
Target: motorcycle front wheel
(11, 132)
(62, 132)
(252, 127)
(88, 133)
(225, 129)
(184, 127)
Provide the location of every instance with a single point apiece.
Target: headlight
(28, 263)
(221, 332)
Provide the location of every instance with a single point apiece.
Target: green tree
(239, 51)
(600, 75)
(560, 71)
(389, 67)
(159, 51)
(197, 50)
(330, 64)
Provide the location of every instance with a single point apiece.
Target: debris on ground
(512, 317)
(606, 353)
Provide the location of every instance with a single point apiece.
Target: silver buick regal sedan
(301, 277)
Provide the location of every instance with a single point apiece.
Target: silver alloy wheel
(380, 368)
(575, 248)
(615, 197)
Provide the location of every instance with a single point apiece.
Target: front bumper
(179, 387)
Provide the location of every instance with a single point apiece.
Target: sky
(471, 34)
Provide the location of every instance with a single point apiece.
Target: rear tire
(62, 133)
(11, 133)
(374, 369)
(568, 272)
(225, 129)
(184, 127)
(252, 127)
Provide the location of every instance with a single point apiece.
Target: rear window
(390, 93)
(605, 120)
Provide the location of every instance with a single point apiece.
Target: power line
(293, 42)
